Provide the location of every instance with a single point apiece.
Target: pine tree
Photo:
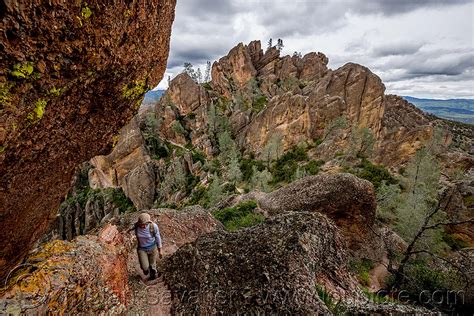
(270, 44)
(215, 190)
(260, 179)
(198, 76)
(280, 45)
(336, 124)
(273, 149)
(234, 174)
(361, 142)
(207, 74)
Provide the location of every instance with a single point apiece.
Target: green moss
(38, 111)
(337, 308)
(134, 90)
(362, 268)
(259, 103)
(55, 91)
(22, 70)
(240, 216)
(5, 97)
(2, 149)
(86, 12)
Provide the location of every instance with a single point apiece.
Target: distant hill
(461, 110)
(152, 97)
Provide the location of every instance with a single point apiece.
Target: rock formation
(274, 267)
(258, 96)
(72, 74)
(285, 265)
(346, 199)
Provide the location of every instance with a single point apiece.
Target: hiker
(149, 244)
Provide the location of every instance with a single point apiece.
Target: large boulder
(348, 200)
(71, 75)
(274, 267)
(139, 186)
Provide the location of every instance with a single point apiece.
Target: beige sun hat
(144, 218)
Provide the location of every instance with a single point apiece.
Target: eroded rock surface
(270, 268)
(348, 200)
(71, 75)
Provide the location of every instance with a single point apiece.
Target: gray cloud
(393, 7)
(397, 49)
(401, 41)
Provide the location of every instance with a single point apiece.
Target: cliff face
(71, 75)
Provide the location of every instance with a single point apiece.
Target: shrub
(120, 200)
(375, 174)
(285, 167)
(312, 167)
(336, 308)
(258, 103)
(239, 216)
(246, 166)
(454, 242)
(156, 149)
(362, 268)
(198, 156)
(199, 196)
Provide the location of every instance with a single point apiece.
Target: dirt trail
(147, 297)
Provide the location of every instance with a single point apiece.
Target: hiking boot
(152, 274)
(145, 272)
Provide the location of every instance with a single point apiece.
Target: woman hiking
(149, 244)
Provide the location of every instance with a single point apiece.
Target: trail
(176, 228)
(147, 297)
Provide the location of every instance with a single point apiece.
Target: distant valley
(461, 110)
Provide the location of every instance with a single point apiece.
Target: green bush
(313, 166)
(362, 268)
(155, 147)
(120, 200)
(454, 242)
(375, 174)
(246, 166)
(199, 196)
(258, 103)
(239, 216)
(420, 277)
(285, 167)
(198, 156)
(336, 308)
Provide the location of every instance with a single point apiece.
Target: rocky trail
(146, 297)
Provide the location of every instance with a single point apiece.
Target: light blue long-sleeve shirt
(145, 240)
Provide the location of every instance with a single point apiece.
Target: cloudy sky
(421, 48)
